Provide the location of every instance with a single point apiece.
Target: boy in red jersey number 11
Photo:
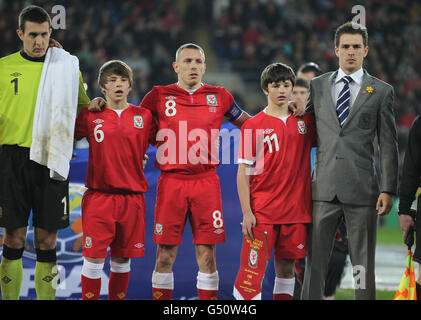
(273, 184)
(113, 207)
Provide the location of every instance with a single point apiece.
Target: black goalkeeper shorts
(26, 185)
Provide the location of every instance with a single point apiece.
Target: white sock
(207, 281)
(284, 285)
(92, 270)
(117, 267)
(163, 280)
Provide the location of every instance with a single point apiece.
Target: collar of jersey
(25, 56)
(189, 91)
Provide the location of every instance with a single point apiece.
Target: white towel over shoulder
(55, 113)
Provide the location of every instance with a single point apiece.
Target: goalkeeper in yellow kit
(25, 184)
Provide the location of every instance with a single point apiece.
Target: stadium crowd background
(239, 37)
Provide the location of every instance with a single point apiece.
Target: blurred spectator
(296, 31)
(139, 32)
(309, 70)
(246, 35)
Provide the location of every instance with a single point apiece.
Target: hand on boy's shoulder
(297, 109)
(97, 104)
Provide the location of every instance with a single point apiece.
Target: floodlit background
(240, 37)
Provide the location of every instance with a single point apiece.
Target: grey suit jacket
(344, 163)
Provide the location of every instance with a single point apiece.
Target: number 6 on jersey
(98, 133)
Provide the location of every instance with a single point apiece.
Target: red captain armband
(254, 259)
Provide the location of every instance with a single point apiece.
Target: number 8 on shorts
(217, 219)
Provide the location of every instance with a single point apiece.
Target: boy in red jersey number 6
(274, 188)
(113, 207)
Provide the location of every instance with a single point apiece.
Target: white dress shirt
(354, 86)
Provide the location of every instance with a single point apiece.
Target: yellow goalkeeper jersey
(19, 81)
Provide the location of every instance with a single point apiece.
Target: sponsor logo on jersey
(138, 121)
(158, 228)
(268, 131)
(88, 242)
(16, 74)
(300, 246)
(219, 231)
(253, 257)
(301, 127)
(139, 245)
(211, 99)
(98, 121)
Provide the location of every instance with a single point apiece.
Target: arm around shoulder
(243, 118)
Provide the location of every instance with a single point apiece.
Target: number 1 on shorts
(64, 202)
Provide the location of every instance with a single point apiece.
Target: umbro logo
(170, 98)
(98, 121)
(48, 278)
(268, 131)
(16, 74)
(6, 279)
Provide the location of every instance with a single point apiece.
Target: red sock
(117, 286)
(207, 294)
(282, 296)
(161, 294)
(90, 288)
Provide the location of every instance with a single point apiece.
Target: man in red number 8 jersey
(188, 186)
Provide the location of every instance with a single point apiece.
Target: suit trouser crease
(361, 224)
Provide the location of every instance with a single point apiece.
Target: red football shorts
(289, 241)
(197, 197)
(113, 220)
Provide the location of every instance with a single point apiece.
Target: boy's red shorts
(289, 241)
(197, 197)
(113, 220)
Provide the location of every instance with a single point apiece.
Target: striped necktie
(342, 104)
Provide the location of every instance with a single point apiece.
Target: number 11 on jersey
(269, 140)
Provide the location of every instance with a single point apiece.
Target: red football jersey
(189, 124)
(117, 145)
(280, 186)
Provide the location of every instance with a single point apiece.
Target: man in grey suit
(351, 108)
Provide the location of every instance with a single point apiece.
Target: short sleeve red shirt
(117, 145)
(188, 123)
(280, 188)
